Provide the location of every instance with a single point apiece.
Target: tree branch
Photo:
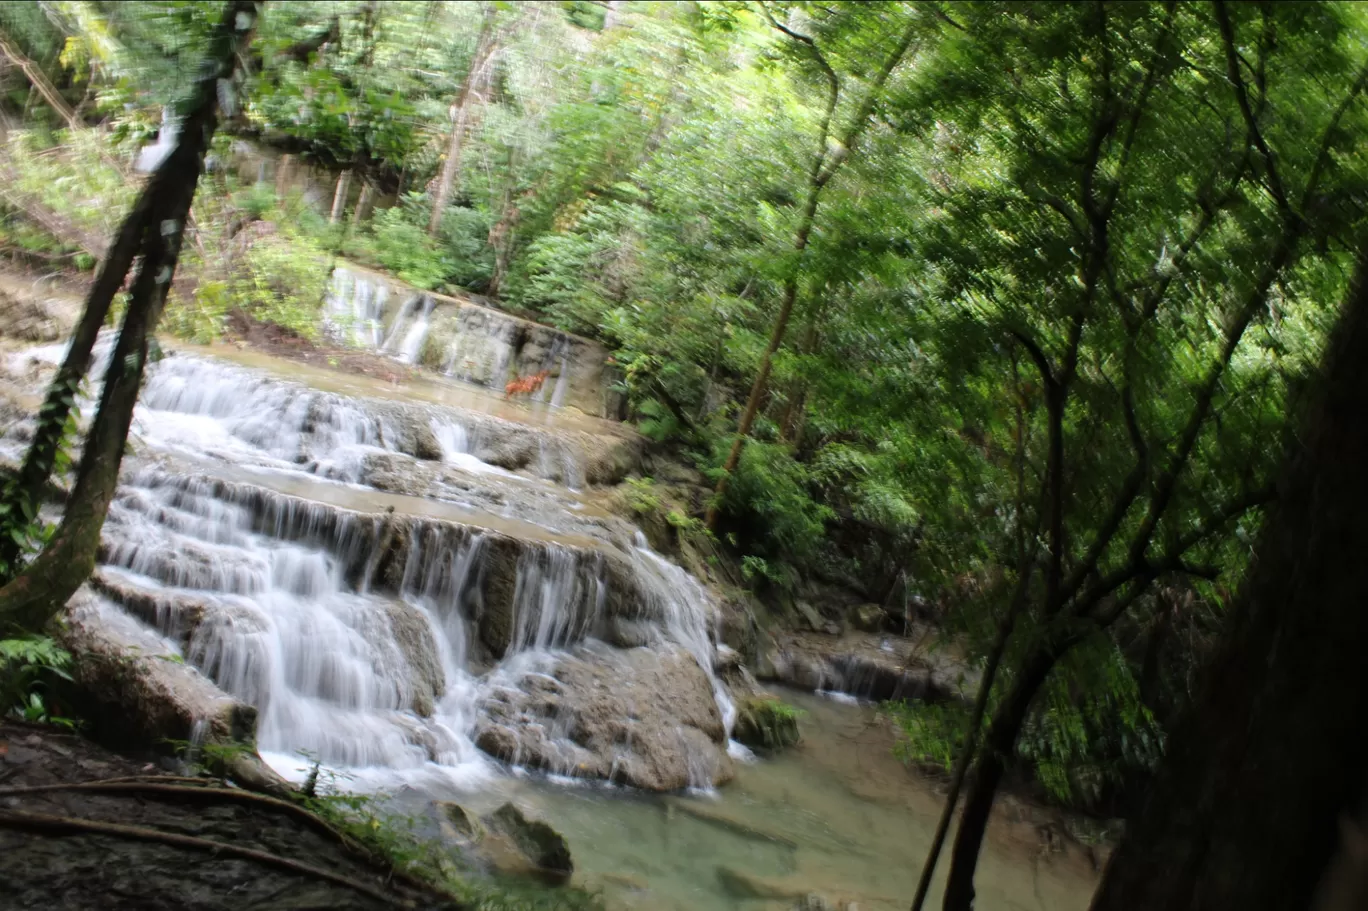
(1275, 185)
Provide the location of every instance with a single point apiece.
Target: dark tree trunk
(31, 599)
(24, 495)
(999, 744)
(1243, 813)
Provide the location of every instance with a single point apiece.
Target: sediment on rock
(643, 718)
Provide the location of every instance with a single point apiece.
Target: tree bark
(363, 205)
(824, 166)
(998, 747)
(24, 495)
(478, 74)
(1004, 635)
(31, 599)
(1243, 813)
(339, 204)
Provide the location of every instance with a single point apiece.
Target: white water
(275, 598)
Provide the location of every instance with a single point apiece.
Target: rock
(810, 615)
(814, 902)
(745, 885)
(136, 692)
(458, 822)
(625, 632)
(869, 618)
(413, 635)
(541, 844)
(642, 718)
(29, 320)
(766, 723)
(508, 842)
(720, 818)
(726, 660)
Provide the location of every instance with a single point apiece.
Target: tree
(473, 90)
(1244, 811)
(826, 161)
(1129, 184)
(154, 230)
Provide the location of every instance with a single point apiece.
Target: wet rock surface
(645, 718)
(872, 666)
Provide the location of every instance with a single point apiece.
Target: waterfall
(253, 534)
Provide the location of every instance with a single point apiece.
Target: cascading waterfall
(358, 634)
(354, 307)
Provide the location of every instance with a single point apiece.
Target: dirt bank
(151, 840)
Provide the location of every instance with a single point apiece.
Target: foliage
(28, 668)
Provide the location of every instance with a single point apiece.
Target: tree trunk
(30, 600)
(340, 197)
(757, 392)
(24, 495)
(1243, 813)
(966, 757)
(363, 205)
(479, 72)
(284, 174)
(998, 747)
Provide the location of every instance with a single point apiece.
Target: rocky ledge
(640, 717)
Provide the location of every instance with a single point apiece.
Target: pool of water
(838, 815)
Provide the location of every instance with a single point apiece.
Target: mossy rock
(537, 841)
(766, 723)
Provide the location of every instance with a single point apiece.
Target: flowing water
(333, 550)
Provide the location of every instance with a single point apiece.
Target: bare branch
(1147, 85)
(1275, 185)
(1042, 363)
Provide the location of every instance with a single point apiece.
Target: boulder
(639, 717)
(868, 618)
(766, 723)
(535, 840)
(508, 842)
(810, 616)
(137, 693)
(31, 320)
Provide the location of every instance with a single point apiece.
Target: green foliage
(640, 496)
(28, 668)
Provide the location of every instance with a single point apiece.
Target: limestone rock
(541, 844)
(642, 718)
(766, 723)
(869, 618)
(413, 635)
(509, 842)
(810, 615)
(30, 320)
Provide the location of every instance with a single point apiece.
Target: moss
(766, 723)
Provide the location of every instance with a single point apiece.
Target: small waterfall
(398, 332)
(562, 382)
(558, 600)
(411, 347)
(353, 307)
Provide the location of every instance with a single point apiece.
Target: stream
(418, 587)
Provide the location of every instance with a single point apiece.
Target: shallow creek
(329, 548)
(838, 815)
